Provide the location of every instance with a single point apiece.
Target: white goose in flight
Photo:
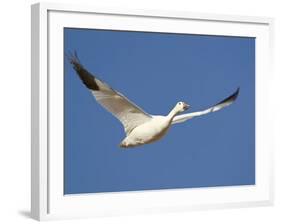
(140, 127)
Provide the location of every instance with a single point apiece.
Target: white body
(148, 132)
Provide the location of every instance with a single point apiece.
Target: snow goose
(140, 127)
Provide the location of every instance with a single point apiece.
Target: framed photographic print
(138, 111)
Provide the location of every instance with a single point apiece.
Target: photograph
(156, 111)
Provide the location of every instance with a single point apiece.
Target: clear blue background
(155, 71)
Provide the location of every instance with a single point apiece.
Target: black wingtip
(73, 59)
(231, 98)
(87, 78)
(235, 95)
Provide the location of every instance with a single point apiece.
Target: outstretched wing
(226, 102)
(129, 114)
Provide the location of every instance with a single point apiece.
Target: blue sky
(155, 71)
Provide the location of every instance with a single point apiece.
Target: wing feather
(129, 114)
(224, 103)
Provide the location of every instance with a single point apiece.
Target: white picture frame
(48, 201)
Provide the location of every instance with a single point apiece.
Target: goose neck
(172, 114)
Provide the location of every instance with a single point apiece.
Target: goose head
(181, 107)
